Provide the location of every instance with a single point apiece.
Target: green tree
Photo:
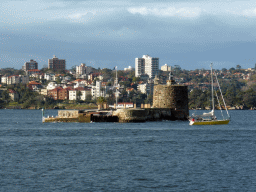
(79, 94)
(149, 99)
(107, 74)
(250, 98)
(58, 80)
(232, 70)
(5, 96)
(2, 104)
(135, 79)
(101, 100)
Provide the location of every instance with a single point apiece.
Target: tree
(2, 104)
(102, 91)
(107, 74)
(88, 98)
(232, 70)
(58, 80)
(135, 79)
(73, 69)
(131, 74)
(224, 70)
(149, 99)
(5, 96)
(120, 73)
(111, 98)
(101, 100)
(250, 98)
(125, 83)
(199, 98)
(79, 94)
(29, 103)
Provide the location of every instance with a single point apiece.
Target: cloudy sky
(189, 33)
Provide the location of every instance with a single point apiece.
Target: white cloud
(77, 15)
(167, 12)
(249, 12)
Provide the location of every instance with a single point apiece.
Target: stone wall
(174, 97)
(130, 115)
(149, 114)
(68, 113)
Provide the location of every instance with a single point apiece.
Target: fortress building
(172, 96)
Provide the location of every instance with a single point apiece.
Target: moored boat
(210, 118)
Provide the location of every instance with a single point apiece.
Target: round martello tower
(172, 96)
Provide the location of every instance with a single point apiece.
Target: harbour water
(151, 156)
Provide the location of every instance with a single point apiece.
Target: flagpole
(42, 115)
(116, 87)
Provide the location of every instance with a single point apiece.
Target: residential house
(4, 79)
(44, 92)
(35, 86)
(13, 95)
(49, 77)
(146, 88)
(129, 68)
(51, 85)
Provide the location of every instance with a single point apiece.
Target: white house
(4, 79)
(85, 94)
(146, 88)
(49, 77)
(51, 85)
(72, 94)
(129, 68)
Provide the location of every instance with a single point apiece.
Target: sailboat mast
(212, 90)
(116, 86)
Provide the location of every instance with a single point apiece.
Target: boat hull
(214, 122)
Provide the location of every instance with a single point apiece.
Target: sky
(189, 33)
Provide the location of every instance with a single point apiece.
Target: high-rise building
(30, 65)
(139, 67)
(146, 65)
(81, 69)
(56, 64)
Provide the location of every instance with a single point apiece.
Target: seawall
(119, 115)
(148, 114)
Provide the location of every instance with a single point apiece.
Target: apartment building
(166, 68)
(146, 65)
(14, 79)
(56, 64)
(30, 65)
(81, 69)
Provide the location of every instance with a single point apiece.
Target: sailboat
(210, 118)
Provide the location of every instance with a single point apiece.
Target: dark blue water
(152, 156)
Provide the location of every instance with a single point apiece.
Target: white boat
(210, 118)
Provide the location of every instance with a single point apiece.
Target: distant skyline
(105, 34)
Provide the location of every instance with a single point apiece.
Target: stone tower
(172, 96)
